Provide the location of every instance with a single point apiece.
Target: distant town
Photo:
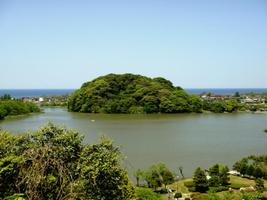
(60, 100)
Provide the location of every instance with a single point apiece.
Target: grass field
(235, 183)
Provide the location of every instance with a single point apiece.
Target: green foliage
(255, 166)
(214, 173)
(146, 194)
(129, 93)
(53, 163)
(16, 196)
(223, 176)
(5, 97)
(200, 180)
(188, 183)
(178, 195)
(16, 107)
(220, 106)
(218, 189)
(138, 174)
(9, 171)
(102, 174)
(218, 181)
(219, 176)
(226, 196)
(259, 184)
(250, 195)
(157, 175)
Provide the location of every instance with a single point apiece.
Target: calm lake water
(188, 140)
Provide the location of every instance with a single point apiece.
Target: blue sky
(195, 44)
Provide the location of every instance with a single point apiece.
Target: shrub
(163, 191)
(146, 194)
(178, 195)
(188, 184)
(192, 189)
(218, 189)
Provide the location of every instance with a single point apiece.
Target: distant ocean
(19, 93)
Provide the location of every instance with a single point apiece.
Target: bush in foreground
(53, 163)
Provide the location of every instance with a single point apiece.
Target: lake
(188, 140)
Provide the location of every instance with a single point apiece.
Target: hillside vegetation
(129, 93)
(16, 107)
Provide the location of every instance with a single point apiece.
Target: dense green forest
(15, 107)
(129, 93)
(54, 163)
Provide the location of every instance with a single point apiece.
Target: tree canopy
(129, 93)
(53, 163)
(15, 107)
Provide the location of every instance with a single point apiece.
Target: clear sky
(195, 44)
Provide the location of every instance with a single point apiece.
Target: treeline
(216, 179)
(252, 166)
(54, 163)
(220, 106)
(129, 93)
(15, 107)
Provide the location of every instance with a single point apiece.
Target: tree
(258, 173)
(259, 184)
(223, 176)
(16, 107)
(200, 180)
(157, 175)
(231, 105)
(181, 171)
(5, 97)
(53, 163)
(165, 174)
(214, 181)
(250, 170)
(236, 94)
(102, 175)
(153, 178)
(243, 168)
(138, 174)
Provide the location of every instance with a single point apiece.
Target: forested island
(9, 106)
(129, 93)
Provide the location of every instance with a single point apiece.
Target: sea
(19, 93)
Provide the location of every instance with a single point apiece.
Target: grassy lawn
(235, 183)
(238, 182)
